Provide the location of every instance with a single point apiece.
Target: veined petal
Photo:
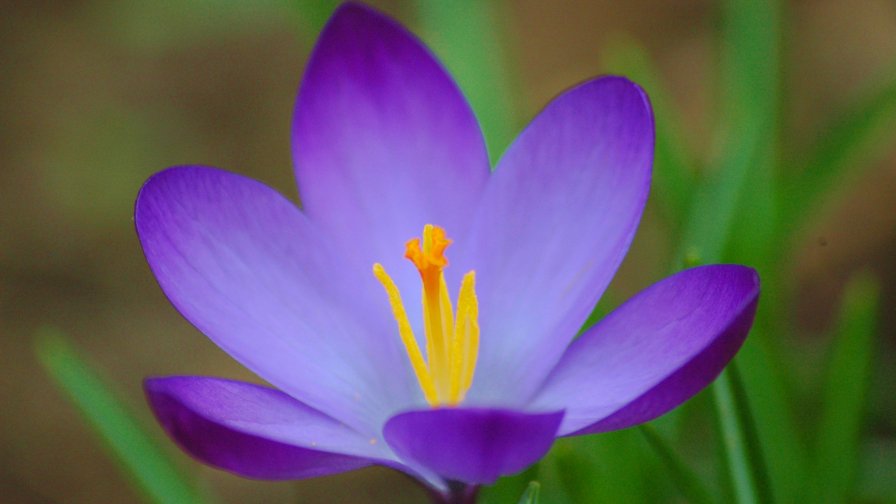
(556, 221)
(245, 266)
(475, 446)
(255, 431)
(655, 351)
(383, 143)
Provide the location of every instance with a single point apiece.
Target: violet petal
(255, 431)
(557, 218)
(472, 445)
(655, 351)
(245, 266)
(383, 143)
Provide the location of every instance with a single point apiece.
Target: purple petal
(556, 221)
(475, 446)
(384, 143)
(243, 265)
(255, 431)
(655, 351)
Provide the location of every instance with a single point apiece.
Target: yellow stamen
(406, 333)
(466, 338)
(452, 344)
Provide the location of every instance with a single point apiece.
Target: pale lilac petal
(255, 431)
(245, 266)
(655, 351)
(475, 446)
(383, 143)
(557, 218)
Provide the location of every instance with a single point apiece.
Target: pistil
(452, 342)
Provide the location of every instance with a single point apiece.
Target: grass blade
(849, 377)
(752, 42)
(147, 465)
(610, 467)
(774, 419)
(531, 495)
(509, 488)
(467, 37)
(684, 478)
(752, 82)
(707, 230)
(743, 173)
(743, 180)
(312, 15)
(741, 444)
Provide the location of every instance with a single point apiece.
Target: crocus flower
(420, 311)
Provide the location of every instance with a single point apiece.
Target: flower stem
(458, 493)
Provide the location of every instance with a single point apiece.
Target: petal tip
(350, 16)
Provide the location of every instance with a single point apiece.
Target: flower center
(452, 342)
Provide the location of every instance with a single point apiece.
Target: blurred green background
(776, 148)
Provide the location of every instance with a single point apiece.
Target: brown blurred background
(96, 96)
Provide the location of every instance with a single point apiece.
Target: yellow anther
(452, 343)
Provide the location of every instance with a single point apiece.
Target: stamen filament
(406, 333)
(466, 334)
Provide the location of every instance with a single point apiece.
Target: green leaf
(611, 467)
(845, 398)
(740, 442)
(684, 478)
(466, 34)
(531, 495)
(752, 90)
(775, 421)
(743, 180)
(312, 15)
(508, 488)
(673, 165)
(863, 132)
(147, 465)
(708, 228)
(743, 175)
